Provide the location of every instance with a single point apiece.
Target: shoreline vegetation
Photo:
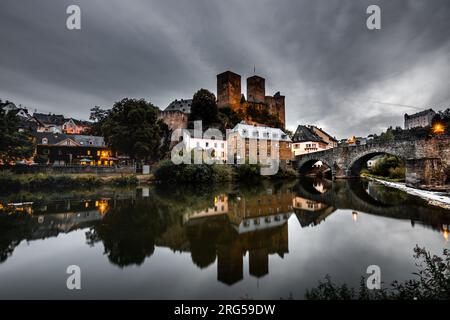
(431, 282)
(10, 182)
(164, 173)
(167, 172)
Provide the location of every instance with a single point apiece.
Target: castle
(229, 95)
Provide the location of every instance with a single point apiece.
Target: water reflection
(213, 225)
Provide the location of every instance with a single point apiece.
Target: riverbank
(433, 198)
(10, 182)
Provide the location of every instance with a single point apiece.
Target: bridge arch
(360, 160)
(304, 166)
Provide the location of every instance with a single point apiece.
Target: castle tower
(256, 89)
(276, 105)
(228, 90)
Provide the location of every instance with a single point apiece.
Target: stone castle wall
(229, 95)
(174, 119)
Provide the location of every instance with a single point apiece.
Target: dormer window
(44, 141)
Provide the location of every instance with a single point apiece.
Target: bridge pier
(425, 173)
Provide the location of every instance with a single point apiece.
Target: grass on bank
(168, 172)
(14, 182)
(366, 174)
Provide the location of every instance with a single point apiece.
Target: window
(198, 144)
(215, 145)
(223, 145)
(44, 141)
(206, 144)
(89, 152)
(98, 153)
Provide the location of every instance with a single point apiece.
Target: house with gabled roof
(306, 140)
(64, 149)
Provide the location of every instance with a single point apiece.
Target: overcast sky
(334, 72)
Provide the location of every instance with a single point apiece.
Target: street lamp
(438, 128)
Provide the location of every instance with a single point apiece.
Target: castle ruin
(229, 95)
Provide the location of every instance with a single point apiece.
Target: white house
(218, 147)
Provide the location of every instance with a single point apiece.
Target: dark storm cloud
(320, 54)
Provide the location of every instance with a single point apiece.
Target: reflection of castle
(235, 225)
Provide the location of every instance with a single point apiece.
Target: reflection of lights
(102, 206)
(438, 128)
(445, 232)
(355, 216)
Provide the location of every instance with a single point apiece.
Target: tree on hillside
(263, 116)
(132, 127)
(229, 118)
(14, 145)
(204, 107)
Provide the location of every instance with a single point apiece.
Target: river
(260, 241)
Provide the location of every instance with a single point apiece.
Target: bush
(285, 173)
(40, 159)
(168, 172)
(247, 171)
(397, 173)
(383, 166)
(432, 282)
(129, 180)
(8, 182)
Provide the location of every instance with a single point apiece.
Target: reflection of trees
(128, 231)
(13, 228)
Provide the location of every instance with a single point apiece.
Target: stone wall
(425, 173)
(174, 119)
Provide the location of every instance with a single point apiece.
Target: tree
(98, 115)
(387, 136)
(263, 116)
(204, 107)
(14, 145)
(132, 127)
(229, 118)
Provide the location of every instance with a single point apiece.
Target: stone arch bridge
(427, 160)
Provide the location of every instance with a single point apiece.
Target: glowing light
(445, 232)
(438, 128)
(102, 207)
(355, 216)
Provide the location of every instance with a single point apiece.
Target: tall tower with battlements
(256, 89)
(229, 90)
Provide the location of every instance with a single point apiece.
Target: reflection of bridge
(427, 160)
(353, 195)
